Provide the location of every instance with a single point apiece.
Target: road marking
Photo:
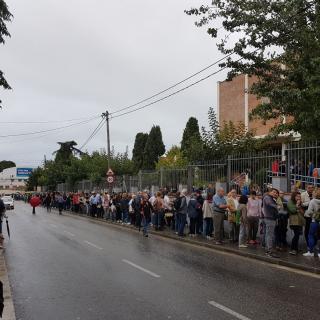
(69, 233)
(93, 245)
(53, 225)
(141, 268)
(229, 311)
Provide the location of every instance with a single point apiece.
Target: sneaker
(252, 242)
(293, 252)
(219, 243)
(308, 254)
(146, 235)
(243, 246)
(272, 255)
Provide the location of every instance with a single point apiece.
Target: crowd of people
(246, 220)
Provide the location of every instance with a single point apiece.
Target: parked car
(8, 202)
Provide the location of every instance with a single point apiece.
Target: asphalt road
(65, 268)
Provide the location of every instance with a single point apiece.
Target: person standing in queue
(146, 211)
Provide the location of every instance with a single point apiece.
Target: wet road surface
(64, 268)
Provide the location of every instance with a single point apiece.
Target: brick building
(235, 104)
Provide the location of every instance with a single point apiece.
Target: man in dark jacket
(270, 213)
(199, 223)
(2, 213)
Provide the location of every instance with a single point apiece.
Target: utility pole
(106, 116)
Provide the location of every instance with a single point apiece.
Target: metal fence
(294, 164)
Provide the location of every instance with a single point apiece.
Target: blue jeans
(182, 218)
(158, 216)
(176, 222)
(124, 216)
(145, 223)
(270, 234)
(209, 226)
(313, 235)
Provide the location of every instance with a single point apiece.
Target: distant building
(14, 179)
(235, 104)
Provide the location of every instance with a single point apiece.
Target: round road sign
(110, 179)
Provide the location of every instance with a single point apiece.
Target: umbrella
(35, 202)
(8, 228)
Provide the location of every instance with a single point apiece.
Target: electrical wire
(182, 81)
(95, 131)
(174, 85)
(39, 122)
(49, 130)
(172, 94)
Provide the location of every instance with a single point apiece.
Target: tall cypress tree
(154, 148)
(191, 139)
(138, 149)
(5, 16)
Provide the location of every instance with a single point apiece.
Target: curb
(8, 311)
(274, 261)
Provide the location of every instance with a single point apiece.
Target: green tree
(191, 144)
(138, 149)
(173, 159)
(34, 179)
(65, 152)
(154, 148)
(5, 164)
(5, 16)
(278, 43)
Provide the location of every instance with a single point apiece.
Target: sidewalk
(299, 262)
(8, 311)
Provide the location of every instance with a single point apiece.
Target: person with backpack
(158, 207)
(192, 209)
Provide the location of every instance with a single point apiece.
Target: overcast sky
(75, 59)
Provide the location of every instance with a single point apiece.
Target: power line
(172, 94)
(39, 122)
(186, 79)
(172, 86)
(95, 131)
(48, 130)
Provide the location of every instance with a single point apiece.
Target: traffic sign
(110, 179)
(110, 173)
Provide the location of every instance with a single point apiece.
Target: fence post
(190, 178)
(228, 172)
(288, 175)
(161, 177)
(140, 181)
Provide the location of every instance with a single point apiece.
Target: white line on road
(229, 311)
(93, 245)
(141, 268)
(69, 233)
(53, 225)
